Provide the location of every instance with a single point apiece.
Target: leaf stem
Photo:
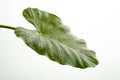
(8, 27)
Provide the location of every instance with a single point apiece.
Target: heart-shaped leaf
(53, 39)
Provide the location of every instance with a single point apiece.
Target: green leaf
(54, 40)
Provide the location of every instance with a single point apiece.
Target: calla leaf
(54, 40)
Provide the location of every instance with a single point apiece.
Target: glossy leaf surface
(54, 40)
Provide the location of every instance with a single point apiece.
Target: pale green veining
(54, 40)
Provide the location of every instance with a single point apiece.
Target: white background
(95, 21)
